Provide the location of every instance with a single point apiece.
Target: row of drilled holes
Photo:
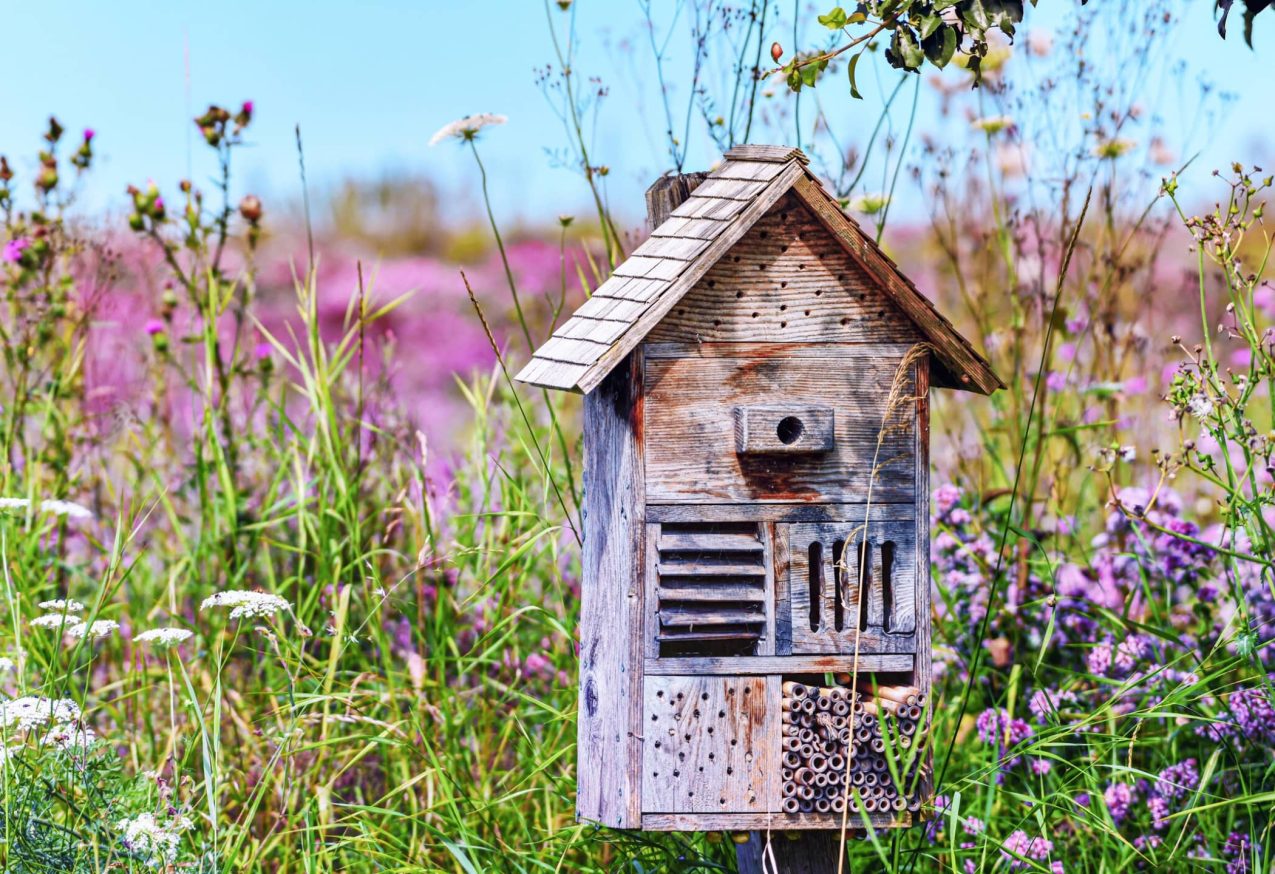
(839, 594)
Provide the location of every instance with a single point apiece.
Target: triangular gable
(646, 287)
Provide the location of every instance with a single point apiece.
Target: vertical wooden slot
(838, 584)
(816, 583)
(887, 589)
(865, 581)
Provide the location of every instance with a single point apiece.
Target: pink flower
(14, 248)
(247, 108)
(261, 351)
(154, 326)
(89, 133)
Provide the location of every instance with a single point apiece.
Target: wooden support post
(810, 852)
(668, 193)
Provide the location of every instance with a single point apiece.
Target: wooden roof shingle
(643, 289)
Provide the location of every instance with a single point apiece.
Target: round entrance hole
(789, 430)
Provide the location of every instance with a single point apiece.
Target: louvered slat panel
(712, 588)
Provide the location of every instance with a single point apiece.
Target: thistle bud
(5, 173)
(250, 209)
(135, 222)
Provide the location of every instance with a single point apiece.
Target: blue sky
(370, 82)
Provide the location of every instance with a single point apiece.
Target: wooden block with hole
(756, 411)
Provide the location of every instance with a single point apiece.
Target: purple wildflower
(1099, 658)
(1119, 797)
(1019, 845)
(1177, 780)
(1158, 806)
(1254, 715)
(154, 326)
(14, 248)
(1239, 849)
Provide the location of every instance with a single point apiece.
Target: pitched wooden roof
(642, 290)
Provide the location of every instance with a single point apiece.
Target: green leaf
(940, 46)
(904, 51)
(854, 89)
(834, 20)
(929, 24)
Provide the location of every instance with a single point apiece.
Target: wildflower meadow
(291, 565)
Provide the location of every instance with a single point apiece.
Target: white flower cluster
(156, 842)
(164, 637)
(62, 605)
(33, 711)
(55, 620)
(70, 509)
(246, 605)
(94, 630)
(71, 737)
(466, 128)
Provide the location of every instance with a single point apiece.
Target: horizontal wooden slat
(731, 189)
(760, 170)
(705, 618)
(571, 351)
(616, 309)
(710, 207)
(711, 569)
(680, 822)
(552, 374)
(640, 267)
(729, 591)
(679, 248)
(779, 511)
(683, 636)
(579, 327)
(869, 663)
(765, 152)
(708, 541)
(640, 290)
(703, 349)
(690, 228)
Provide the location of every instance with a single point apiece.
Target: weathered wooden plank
(710, 207)
(552, 374)
(700, 349)
(640, 267)
(922, 678)
(869, 663)
(678, 248)
(762, 171)
(644, 290)
(765, 152)
(785, 429)
(823, 636)
(651, 592)
(611, 655)
(690, 425)
(695, 269)
(602, 307)
(708, 541)
(781, 606)
(570, 351)
(580, 327)
(691, 228)
(694, 568)
(667, 192)
(779, 512)
(671, 616)
(754, 592)
(709, 744)
(731, 189)
(787, 280)
(776, 821)
(967, 366)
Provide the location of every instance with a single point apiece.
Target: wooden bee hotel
(755, 630)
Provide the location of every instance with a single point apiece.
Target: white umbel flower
(992, 124)
(869, 204)
(94, 630)
(155, 841)
(55, 620)
(163, 637)
(32, 711)
(7, 665)
(247, 605)
(62, 605)
(467, 128)
(71, 737)
(70, 509)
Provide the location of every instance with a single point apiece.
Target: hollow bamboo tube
(785, 774)
(804, 776)
(838, 804)
(870, 805)
(914, 712)
(792, 760)
(823, 805)
(902, 694)
(863, 735)
(836, 762)
(857, 778)
(876, 708)
(870, 780)
(791, 805)
(806, 751)
(878, 745)
(788, 704)
(818, 763)
(879, 765)
(791, 744)
(793, 689)
(807, 705)
(821, 780)
(823, 704)
(805, 792)
(838, 693)
(790, 789)
(907, 727)
(806, 736)
(806, 805)
(841, 708)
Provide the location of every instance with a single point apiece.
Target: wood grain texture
(608, 753)
(729, 512)
(690, 431)
(925, 621)
(780, 664)
(765, 152)
(697, 349)
(965, 366)
(788, 429)
(710, 744)
(787, 279)
(825, 637)
(775, 821)
(667, 192)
